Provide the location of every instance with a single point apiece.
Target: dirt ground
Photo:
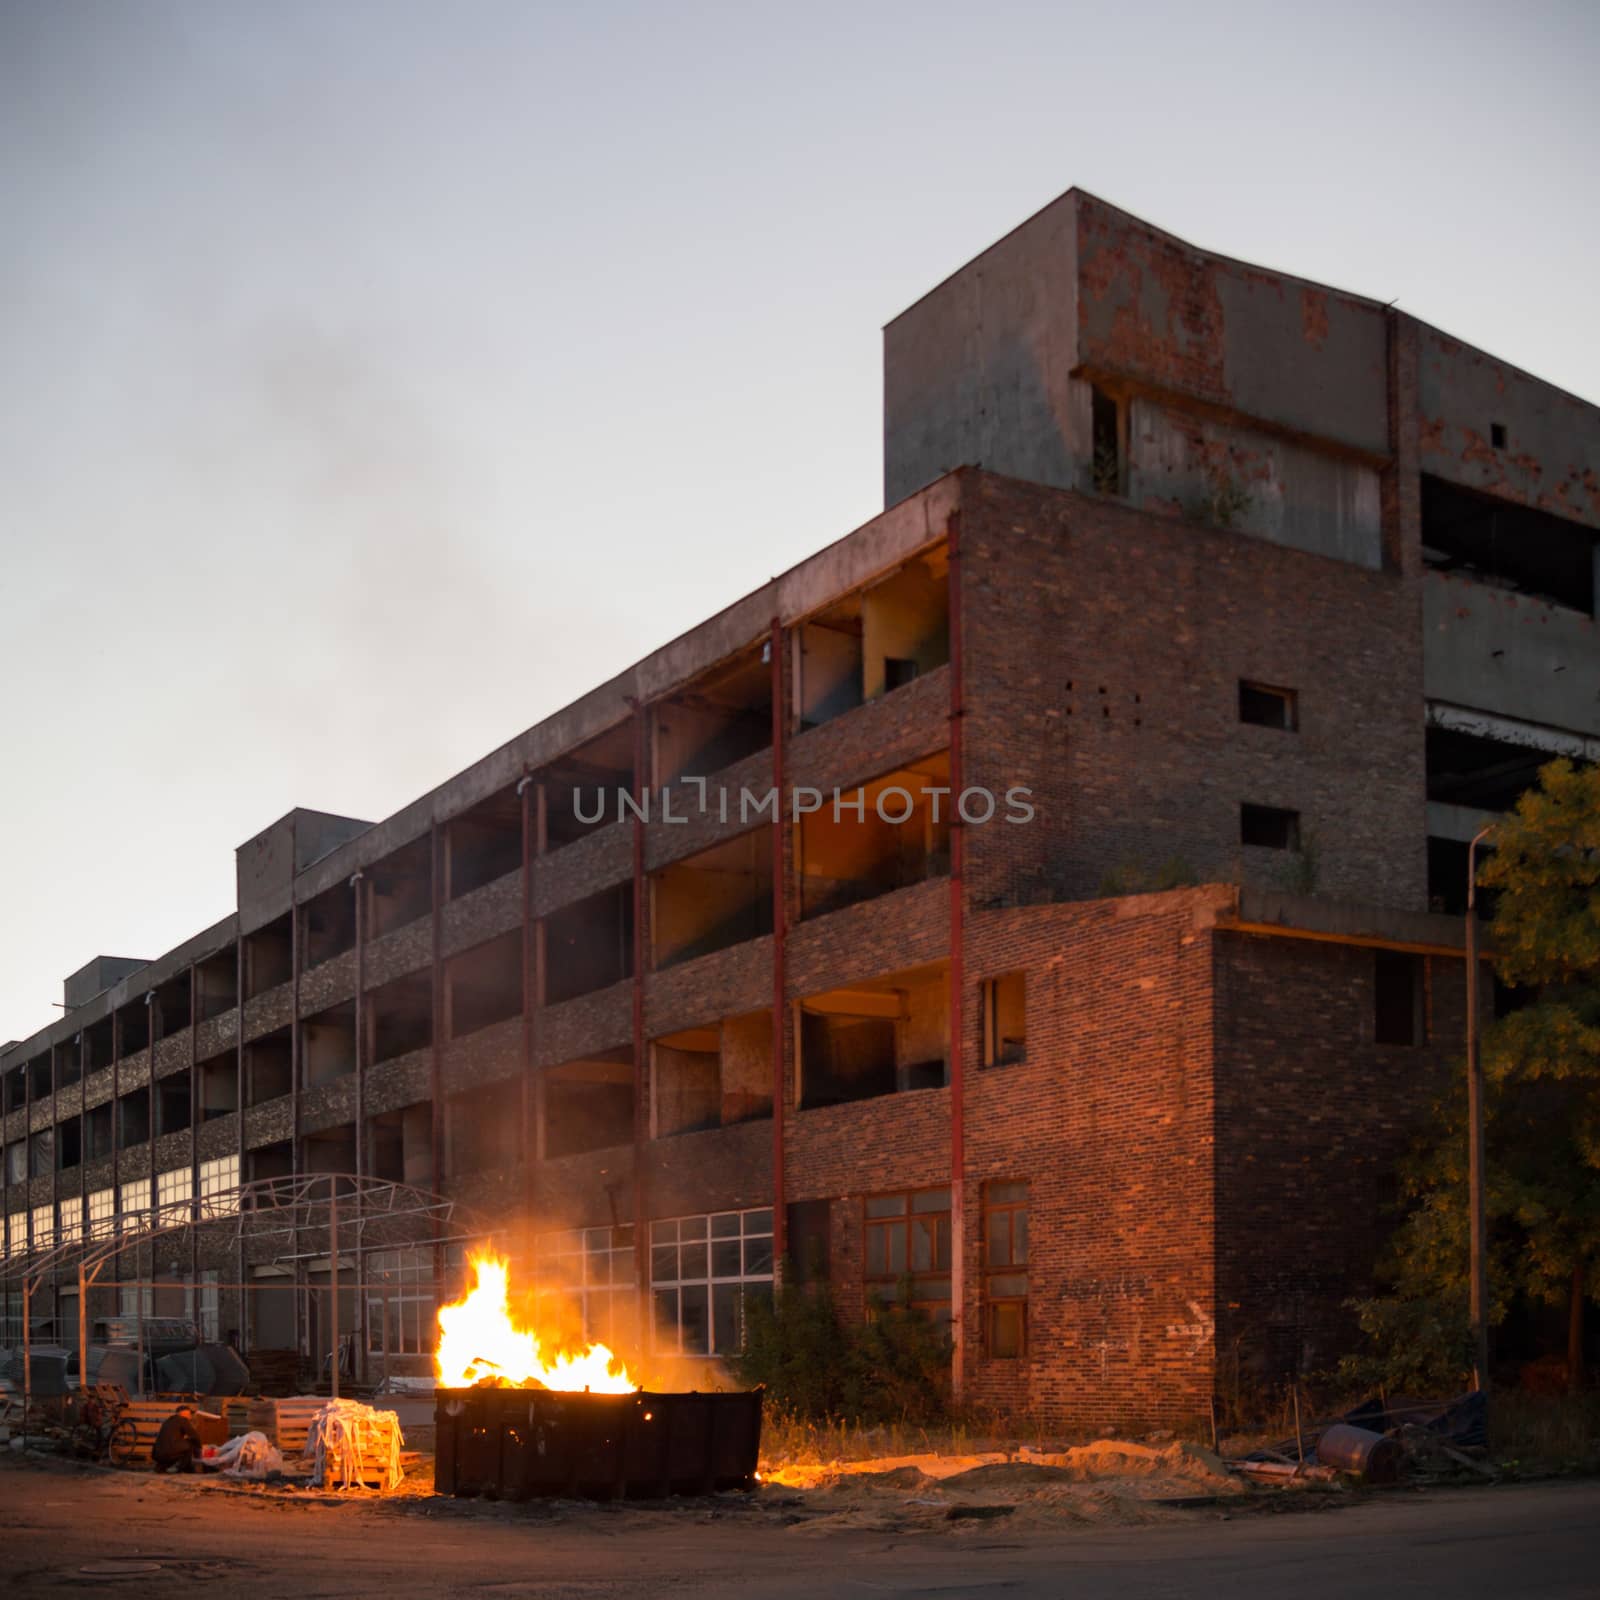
(71, 1529)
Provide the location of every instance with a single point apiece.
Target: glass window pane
(757, 1257)
(664, 1263)
(757, 1222)
(886, 1205)
(725, 1258)
(666, 1303)
(1009, 1285)
(1005, 1330)
(692, 1261)
(933, 1288)
(725, 1225)
(1019, 1236)
(695, 1316)
(931, 1200)
(726, 1306)
(877, 1252)
(663, 1232)
(897, 1248)
(922, 1244)
(999, 1238)
(1000, 1194)
(943, 1246)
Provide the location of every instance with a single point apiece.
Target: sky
(377, 378)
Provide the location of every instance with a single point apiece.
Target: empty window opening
(483, 985)
(133, 1118)
(69, 1144)
(1105, 416)
(828, 683)
(1269, 827)
(216, 984)
(907, 1250)
(174, 1109)
(268, 1067)
(1509, 546)
(588, 1105)
(133, 1028)
(905, 620)
(17, 1162)
(900, 837)
(400, 1145)
(1005, 1269)
(69, 1061)
(712, 1077)
(877, 1038)
(42, 1153)
(589, 945)
(328, 1045)
(329, 923)
(41, 1074)
(16, 1088)
(271, 1161)
(399, 889)
(710, 901)
(401, 1016)
(1497, 435)
(1005, 1020)
(330, 1150)
(1465, 769)
(721, 717)
(1265, 707)
(580, 789)
(483, 844)
(97, 1130)
(1397, 995)
(99, 1044)
(269, 956)
(484, 1129)
(170, 1010)
(219, 1086)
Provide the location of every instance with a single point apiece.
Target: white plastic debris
(250, 1455)
(352, 1445)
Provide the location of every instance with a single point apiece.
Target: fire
(479, 1342)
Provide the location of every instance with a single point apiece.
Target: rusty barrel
(519, 1444)
(1370, 1456)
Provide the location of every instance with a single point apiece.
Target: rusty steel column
(303, 1290)
(641, 1086)
(358, 1365)
(528, 1140)
(958, 1154)
(435, 1034)
(194, 1146)
(780, 918)
(239, 1114)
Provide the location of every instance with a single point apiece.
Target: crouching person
(178, 1443)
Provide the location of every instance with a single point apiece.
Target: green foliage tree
(1542, 1112)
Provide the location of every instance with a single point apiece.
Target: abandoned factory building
(1212, 613)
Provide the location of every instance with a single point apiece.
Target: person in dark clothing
(178, 1443)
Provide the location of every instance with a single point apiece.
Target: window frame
(1288, 699)
(989, 1012)
(999, 1277)
(883, 1288)
(754, 1227)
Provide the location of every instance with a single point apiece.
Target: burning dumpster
(515, 1422)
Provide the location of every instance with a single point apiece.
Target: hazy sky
(376, 378)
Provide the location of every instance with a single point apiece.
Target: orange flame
(479, 1342)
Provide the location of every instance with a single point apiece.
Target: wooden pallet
(286, 1422)
(135, 1432)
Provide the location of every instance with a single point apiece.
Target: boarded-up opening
(483, 843)
(710, 901)
(217, 984)
(712, 1077)
(401, 1015)
(399, 888)
(721, 717)
(588, 1104)
(485, 1129)
(880, 1037)
(484, 985)
(268, 957)
(329, 920)
(589, 945)
(268, 1067)
(400, 1144)
(580, 790)
(174, 1109)
(328, 1045)
(219, 1085)
(898, 835)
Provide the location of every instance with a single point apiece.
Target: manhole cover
(106, 1571)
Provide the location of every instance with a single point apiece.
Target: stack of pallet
(285, 1421)
(136, 1428)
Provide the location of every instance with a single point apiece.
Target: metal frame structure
(249, 1213)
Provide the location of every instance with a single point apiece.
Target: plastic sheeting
(250, 1455)
(352, 1446)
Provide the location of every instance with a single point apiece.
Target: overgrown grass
(1535, 1434)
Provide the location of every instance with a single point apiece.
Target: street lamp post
(1478, 1244)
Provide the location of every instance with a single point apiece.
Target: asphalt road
(59, 1526)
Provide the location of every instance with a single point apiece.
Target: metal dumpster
(519, 1444)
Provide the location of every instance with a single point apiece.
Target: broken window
(268, 1067)
(1269, 827)
(710, 901)
(173, 1106)
(485, 1129)
(69, 1061)
(401, 1016)
(219, 1085)
(884, 835)
(907, 1239)
(1265, 707)
(329, 922)
(1005, 1020)
(328, 1045)
(400, 1144)
(133, 1029)
(216, 981)
(42, 1153)
(876, 1038)
(1479, 771)
(98, 1044)
(1398, 1014)
(40, 1073)
(1508, 546)
(703, 1272)
(399, 889)
(483, 985)
(1105, 414)
(589, 945)
(17, 1162)
(269, 956)
(588, 1104)
(483, 844)
(581, 788)
(16, 1089)
(714, 1076)
(1005, 1268)
(69, 1143)
(170, 1009)
(719, 718)
(133, 1118)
